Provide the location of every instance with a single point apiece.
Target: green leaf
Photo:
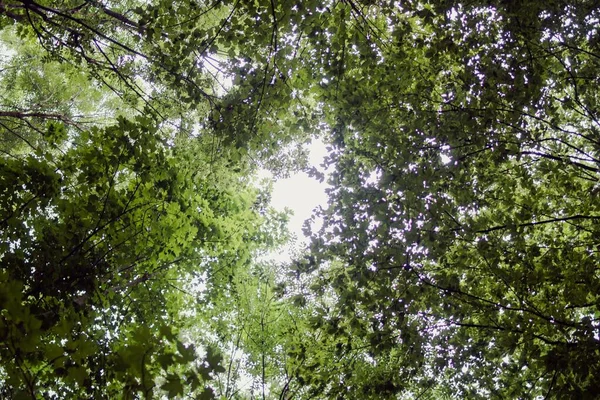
(173, 386)
(187, 352)
(213, 358)
(207, 394)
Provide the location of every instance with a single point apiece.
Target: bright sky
(302, 194)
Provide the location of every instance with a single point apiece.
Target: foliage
(458, 255)
(462, 206)
(90, 238)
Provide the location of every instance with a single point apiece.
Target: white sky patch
(445, 159)
(301, 194)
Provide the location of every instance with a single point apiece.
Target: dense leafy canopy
(458, 255)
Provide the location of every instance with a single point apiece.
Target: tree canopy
(458, 256)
